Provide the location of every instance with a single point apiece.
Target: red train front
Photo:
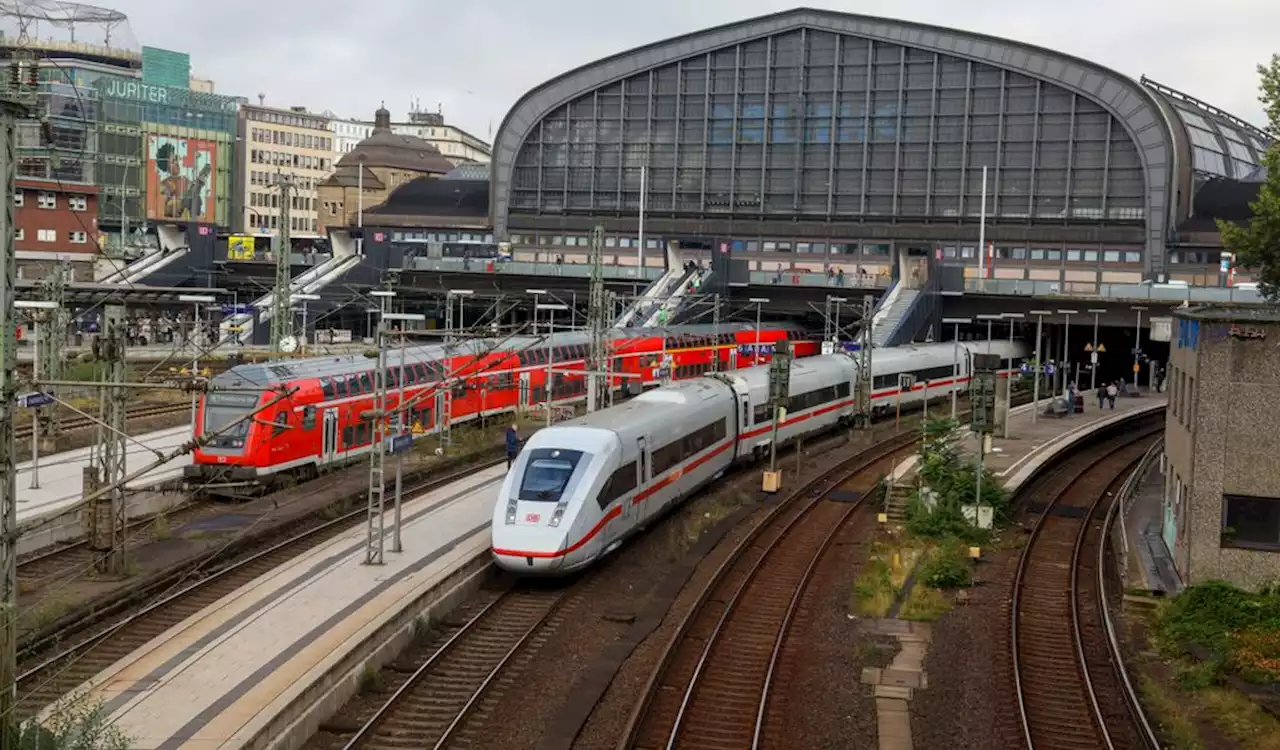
(312, 414)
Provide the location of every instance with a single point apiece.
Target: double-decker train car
(315, 414)
(578, 489)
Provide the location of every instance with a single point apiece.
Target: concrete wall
(1222, 438)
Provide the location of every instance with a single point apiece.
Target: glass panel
(1208, 161)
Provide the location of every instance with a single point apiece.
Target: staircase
(896, 499)
(309, 282)
(887, 321)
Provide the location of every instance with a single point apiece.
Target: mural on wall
(180, 178)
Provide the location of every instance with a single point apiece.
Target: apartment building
(277, 142)
(454, 143)
(51, 217)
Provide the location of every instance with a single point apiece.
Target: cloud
(474, 59)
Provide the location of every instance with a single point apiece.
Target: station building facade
(1222, 434)
(810, 138)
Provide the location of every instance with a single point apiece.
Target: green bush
(947, 568)
(80, 724)
(1239, 629)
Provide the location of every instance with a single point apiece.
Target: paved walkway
(1150, 564)
(62, 474)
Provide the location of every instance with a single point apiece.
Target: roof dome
(389, 150)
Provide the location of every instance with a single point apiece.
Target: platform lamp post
(537, 299)
(551, 350)
(35, 375)
(460, 295)
(1035, 388)
(402, 431)
(955, 360)
(990, 320)
(1066, 351)
(1013, 319)
(759, 302)
(1137, 343)
(1093, 354)
(196, 301)
(305, 298)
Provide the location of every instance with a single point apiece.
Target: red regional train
(323, 423)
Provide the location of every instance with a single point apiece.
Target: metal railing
(1107, 291)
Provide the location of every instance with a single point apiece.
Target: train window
(326, 387)
(353, 385)
(547, 473)
(309, 418)
(340, 387)
(666, 457)
(281, 424)
(760, 414)
(842, 390)
(622, 482)
(366, 382)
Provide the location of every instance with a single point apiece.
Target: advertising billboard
(181, 178)
(240, 247)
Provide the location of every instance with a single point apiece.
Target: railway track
(145, 411)
(430, 709)
(44, 679)
(712, 687)
(1071, 689)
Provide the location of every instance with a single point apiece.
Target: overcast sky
(476, 57)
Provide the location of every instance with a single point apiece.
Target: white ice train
(580, 488)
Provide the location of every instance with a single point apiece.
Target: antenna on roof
(262, 99)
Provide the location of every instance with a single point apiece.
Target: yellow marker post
(975, 552)
(882, 517)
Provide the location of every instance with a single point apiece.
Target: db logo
(532, 517)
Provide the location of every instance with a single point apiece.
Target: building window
(47, 235)
(19, 198)
(19, 234)
(79, 238)
(47, 200)
(1251, 522)
(78, 203)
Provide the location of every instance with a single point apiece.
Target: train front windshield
(546, 474)
(221, 410)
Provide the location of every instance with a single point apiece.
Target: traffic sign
(399, 443)
(35, 400)
(1050, 368)
(1102, 348)
(1137, 367)
(1088, 347)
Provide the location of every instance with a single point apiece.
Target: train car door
(733, 357)
(526, 391)
(642, 472)
(329, 437)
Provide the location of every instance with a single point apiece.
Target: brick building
(55, 218)
(1222, 436)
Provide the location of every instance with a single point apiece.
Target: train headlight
(511, 511)
(557, 514)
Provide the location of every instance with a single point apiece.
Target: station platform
(1150, 566)
(1014, 460)
(1031, 445)
(62, 474)
(248, 668)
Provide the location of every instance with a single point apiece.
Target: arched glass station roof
(1222, 145)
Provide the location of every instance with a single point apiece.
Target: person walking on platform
(1102, 396)
(513, 445)
(1112, 392)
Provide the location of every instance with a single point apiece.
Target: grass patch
(1239, 718)
(1176, 729)
(873, 592)
(925, 604)
(884, 575)
(370, 679)
(160, 528)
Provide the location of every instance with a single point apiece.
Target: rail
(835, 475)
(1072, 590)
(1117, 511)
